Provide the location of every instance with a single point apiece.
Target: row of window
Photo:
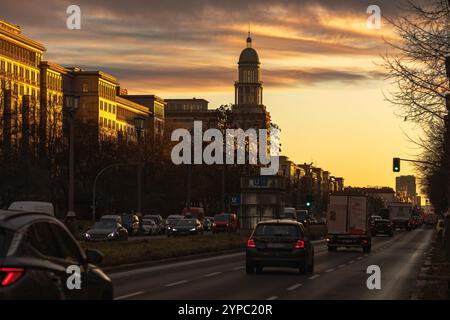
(54, 82)
(22, 89)
(28, 75)
(18, 53)
(112, 124)
(106, 91)
(108, 107)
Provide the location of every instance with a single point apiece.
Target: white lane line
(351, 261)
(314, 277)
(212, 274)
(239, 268)
(272, 298)
(176, 283)
(129, 295)
(341, 265)
(295, 286)
(329, 270)
(359, 258)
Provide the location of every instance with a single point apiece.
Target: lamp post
(139, 126)
(72, 103)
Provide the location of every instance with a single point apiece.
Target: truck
(347, 222)
(400, 213)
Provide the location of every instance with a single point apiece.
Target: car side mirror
(93, 256)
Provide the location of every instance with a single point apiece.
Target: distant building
(181, 113)
(405, 187)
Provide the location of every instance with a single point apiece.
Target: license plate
(275, 245)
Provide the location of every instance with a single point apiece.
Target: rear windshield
(301, 215)
(221, 217)
(278, 230)
(4, 242)
(186, 222)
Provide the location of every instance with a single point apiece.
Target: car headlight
(87, 235)
(173, 229)
(112, 235)
(193, 229)
(213, 224)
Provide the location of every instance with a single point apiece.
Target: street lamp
(71, 106)
(139, 126)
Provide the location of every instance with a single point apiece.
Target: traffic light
(396, 164)
(309, 200)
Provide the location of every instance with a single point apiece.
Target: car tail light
(365, 241)
(251, 243)
(10, 275)
(300, 244)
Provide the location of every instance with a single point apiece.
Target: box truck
(400, 213)
(347, 222)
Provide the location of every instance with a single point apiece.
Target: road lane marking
(314, 277)
(351, 261)
(212, 274)
(239, 268)
(272, 298)
(359, 258)
(129, 295)
(341, 265)
(329, 270)
(176, 283)
(295, 286)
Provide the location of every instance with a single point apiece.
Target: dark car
(131, 223)
(171, 221)
(186, 226)
(106, 230)
(159, 221)
(36, 254)
(383, 226)
(279, 243)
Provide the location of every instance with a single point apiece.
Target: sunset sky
(320, 66)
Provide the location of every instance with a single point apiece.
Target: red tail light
(365, 241)
(251, 243)
(10, 275)
(300, 244)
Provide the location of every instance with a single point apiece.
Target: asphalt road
(338, 275)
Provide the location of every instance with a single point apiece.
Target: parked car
(159, 222)
(383, 226)
(115, 217)
(36, 251)
(207, 223)
(106, 230)
(372, 220)
(225, 222)
(186, 226)
(149, 227)
(131, 223)
(279, 243)
(171, 220)
(289, 213)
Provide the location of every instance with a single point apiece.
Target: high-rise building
(249, 110)
(405, 187)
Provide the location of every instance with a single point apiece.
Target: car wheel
(311, 266)
(249, 268)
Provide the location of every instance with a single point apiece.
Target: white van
(33, 206)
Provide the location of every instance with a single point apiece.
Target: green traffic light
(308, 204)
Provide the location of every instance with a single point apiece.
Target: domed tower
(248, 110)
(248, 88)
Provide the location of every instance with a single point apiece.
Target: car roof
(280, 221)
(15, 219)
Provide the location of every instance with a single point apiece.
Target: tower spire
(249, 39)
